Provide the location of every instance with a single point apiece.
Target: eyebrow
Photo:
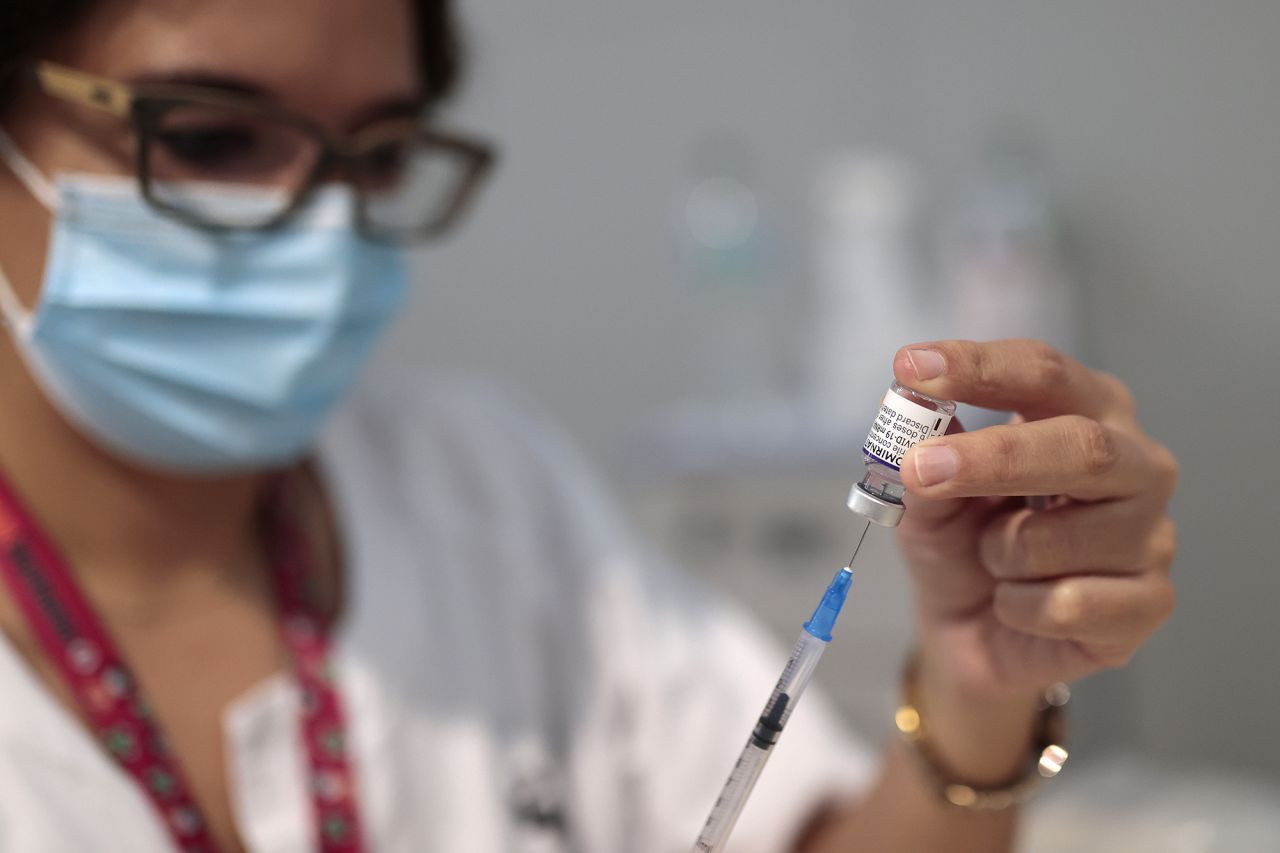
(204, 80)
(393, 107)
(401, 107)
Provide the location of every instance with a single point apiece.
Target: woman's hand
(1011, 599)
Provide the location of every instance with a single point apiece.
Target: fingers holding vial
(1092, 569)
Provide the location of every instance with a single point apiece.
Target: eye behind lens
(225, 148)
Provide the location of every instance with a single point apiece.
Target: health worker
(244, 606)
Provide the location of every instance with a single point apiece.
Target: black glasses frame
(145, 105)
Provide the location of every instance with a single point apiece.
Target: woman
(419, 629)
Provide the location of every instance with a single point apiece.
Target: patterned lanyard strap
(76, 642)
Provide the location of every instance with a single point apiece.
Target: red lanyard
(74, 639)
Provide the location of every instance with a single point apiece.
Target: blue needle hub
(824, 617)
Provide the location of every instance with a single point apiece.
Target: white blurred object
(718, 228)
(866, 302)
(1130, 804)
(1001, 253)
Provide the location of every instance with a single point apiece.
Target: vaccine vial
(905, 419)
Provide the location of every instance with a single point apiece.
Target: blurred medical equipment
(1000, 253)
(719, 229)
(866, 264)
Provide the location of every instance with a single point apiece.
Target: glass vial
(905, 419)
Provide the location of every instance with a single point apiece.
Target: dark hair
(26, 26)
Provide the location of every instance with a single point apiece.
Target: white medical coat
(519, 673)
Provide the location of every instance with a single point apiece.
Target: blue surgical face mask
(195, 352)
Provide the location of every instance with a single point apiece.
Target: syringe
(795, 678)
(906, 418)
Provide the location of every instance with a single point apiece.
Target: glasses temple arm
(85, 89)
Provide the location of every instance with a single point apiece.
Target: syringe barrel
(734, 796)
(742, 779)
(795, 678)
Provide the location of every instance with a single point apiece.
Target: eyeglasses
(411, 180)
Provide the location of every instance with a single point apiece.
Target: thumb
(932, 516)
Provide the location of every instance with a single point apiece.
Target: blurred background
(714, 222)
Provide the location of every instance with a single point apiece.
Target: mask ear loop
(26, 172)
(13, 315)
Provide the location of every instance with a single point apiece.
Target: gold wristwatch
(1045, 760)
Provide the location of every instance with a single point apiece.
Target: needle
(867, 527)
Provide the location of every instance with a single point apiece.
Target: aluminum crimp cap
(883, 512)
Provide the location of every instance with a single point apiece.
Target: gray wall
(1162, 121)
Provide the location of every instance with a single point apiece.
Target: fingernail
(928, 364)
(935, 465)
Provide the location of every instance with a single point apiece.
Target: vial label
(900, 425)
